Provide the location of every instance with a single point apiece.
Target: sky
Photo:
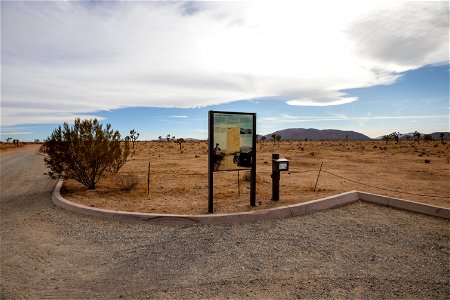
(159, 66)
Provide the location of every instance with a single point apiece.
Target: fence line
(385, 189)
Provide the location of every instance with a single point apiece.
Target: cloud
(66, 59)
(285, 118)
(404, 37)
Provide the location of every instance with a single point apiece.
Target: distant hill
(317, 134)
(410, 136)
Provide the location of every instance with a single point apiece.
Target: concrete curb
(273, 213)
(426, 209)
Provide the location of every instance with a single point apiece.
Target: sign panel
(231, 147)
(233, 141)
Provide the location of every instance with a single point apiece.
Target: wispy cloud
(66, 59)
(300, 119)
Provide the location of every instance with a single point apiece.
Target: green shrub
(83, 152)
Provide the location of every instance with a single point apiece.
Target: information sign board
(232, 147)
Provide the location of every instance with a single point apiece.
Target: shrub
(126, 182)
(82, 152)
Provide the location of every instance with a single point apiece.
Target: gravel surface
(357, 251)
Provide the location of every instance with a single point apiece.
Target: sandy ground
(360, 251)
(179, 180)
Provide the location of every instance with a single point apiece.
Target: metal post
(253, 170)
(210, 162)
(275, 178)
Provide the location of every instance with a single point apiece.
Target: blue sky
(158, 67)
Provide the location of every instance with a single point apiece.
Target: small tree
(441, 135)
(133, 136)
(427, 138)
(179, 141)
(160, 138)
(395, 136)
(278, 138)
(263, 139)
(8, 140)
(387, 138)
(417, 136)
(273, 136)
(82, 152)
(168, 137)
(16, 142)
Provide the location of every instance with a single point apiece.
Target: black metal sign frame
(229, 160)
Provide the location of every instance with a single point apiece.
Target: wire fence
(382, 188)
(328, 172)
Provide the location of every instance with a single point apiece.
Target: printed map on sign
(233, 136)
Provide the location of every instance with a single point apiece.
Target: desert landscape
(417, 171)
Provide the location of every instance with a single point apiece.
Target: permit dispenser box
(280, 165)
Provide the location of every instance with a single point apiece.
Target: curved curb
(253, 216)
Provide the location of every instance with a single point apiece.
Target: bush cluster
(85, 151)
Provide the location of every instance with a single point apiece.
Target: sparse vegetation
(83, 152)
(179, 180)
(180, 141)
(133, 136)
(126, 182)
(417, 135)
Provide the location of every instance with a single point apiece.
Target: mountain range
(317, 134)
(337, 135)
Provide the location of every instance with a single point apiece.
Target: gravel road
(357, 251)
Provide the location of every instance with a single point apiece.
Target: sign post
(231, 147)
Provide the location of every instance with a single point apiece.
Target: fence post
(318, 175)
(148, 179)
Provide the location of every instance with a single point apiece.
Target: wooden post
(148, 180)
(239, 186)
(318, 175)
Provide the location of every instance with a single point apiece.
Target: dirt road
(358, 251)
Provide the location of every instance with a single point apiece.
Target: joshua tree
(441, 135)
(8, 140)
(160, 138)
(168, 137)
(416, 136)
(278, 138)
(273, 136)
(133, 136)
(16, 141)
(395, 136)
(386, 138)
(179, 141)
(427, 138)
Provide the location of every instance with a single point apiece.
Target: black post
(275, 178)
(253, 171)
(210, 162)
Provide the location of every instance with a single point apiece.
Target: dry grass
(9, 146)
(179, 180)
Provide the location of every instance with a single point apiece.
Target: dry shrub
(126, 182)
(247, 177)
